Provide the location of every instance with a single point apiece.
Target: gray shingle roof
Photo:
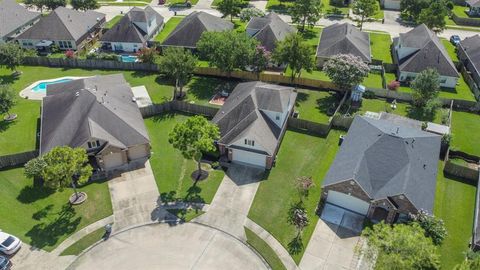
(344, 39)
(100, 107)
(471, 46)
(13, 16)
(270, 29)
(242, 114)
(430, 52)
(388, 159)
(188, 31)
(63, 24)
(127, 31)
(473, 3)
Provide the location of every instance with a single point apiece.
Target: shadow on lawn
(8, 79)
(47, 233)
(203, 88)
(419, 114)
(30, 194)
(327, 105)
(4, 125)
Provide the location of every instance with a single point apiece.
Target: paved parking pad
(162, 246)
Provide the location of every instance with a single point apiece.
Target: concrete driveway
(161, 246)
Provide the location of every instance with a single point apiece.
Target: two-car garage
(248, 157)
(348, 202)
(345, 210)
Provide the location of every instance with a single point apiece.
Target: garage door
(392, 4)
(113, 160)
(348, 202)
(249, 158)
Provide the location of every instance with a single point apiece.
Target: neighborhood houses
(238, 134)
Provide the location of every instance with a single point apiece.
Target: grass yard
(43, 218)
(312, 37)
(201, 89)
(113, 21)
(171, 170)
(84, 243)
(460, 11)
(279, 6)
(374, 80)
(380, 46)
(180, 2)
(276, 194)
(466, 132)
(265, 250)
(328, 8)
(455, 204)
(239, 26)
(313, 105)
(124, 4)
(186, 214)
(168, 28)
(452, 51)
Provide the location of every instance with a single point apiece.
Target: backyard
(380, 46)
(113, 21)
(466, 132)
(171, 170)
(43, 218)
(276, 194)
(313, 105)
(168, 28)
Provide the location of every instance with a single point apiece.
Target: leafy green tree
(84, 4)
(400, 246)
(147, 55)
(11, 56)
(178, 64)
(434, 227)
(470, 263)
(297, 54)
(230, 8)
(434, 15)
(426, 88)
(410, 9)
(247, 13)
(194, 137)
(227, 50)
(7, 99)
(53, 4)
(305, 12)
(62, 167)
(365, 9)
(38, 4)
(346, 70)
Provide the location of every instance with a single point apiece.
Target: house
(190, 29)
(67, 28)
(473, 7)
(252, 122)
(390, 4)
(384, 170)
(343, 39)
(469, 54)
(14, 19)
(420, 49)
(99, 114)
(133, 31)
(269, 30)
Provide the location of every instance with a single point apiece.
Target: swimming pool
(128, 58)
(42, 87)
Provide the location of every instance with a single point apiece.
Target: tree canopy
(426, 88)
(434, 15)
(230, 8)
(178, 64)
(365, 9)
(247, 13)
(8, 98)
(11, 55)
(84, 4)
(306, 12)
(410, 9)
(346, 70)
(294, 52)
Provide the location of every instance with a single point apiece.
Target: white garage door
(113, 160)
(348, 202)
(249, 158)
(392, 4)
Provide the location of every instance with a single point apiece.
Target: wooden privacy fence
(180, 106)
(309, 126)
(461, 171)
(17, 159)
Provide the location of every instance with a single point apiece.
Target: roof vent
(134, 99)
(77, 94)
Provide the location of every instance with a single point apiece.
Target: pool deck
(28, 93)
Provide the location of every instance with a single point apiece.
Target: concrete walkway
(229, 208)
(28, 258)
(262, 5)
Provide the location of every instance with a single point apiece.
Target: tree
(53, 4)
(147, 55)
(294, 52)
(303, 185)
(178, 64)
(469, 264)
(346, 70)
(434, 227)
(364, 9)
(227, 50)
(260, 59)
(7, 99)
(230, 8)
(298, 217)
(410, 9)
(61, 167)
(247, 13)
(38, 4)
(11, 56)
(84, 4)
(434, 15)
(194, 137)
(306, 12)
(426, 88)
(400, 246)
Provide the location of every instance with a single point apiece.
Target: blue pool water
(42, 87)
(128, 58)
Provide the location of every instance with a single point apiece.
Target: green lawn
(460, 11)
(328, 8)
(279, 6)
(374, 80)
(312, 37)
(313, 105)
(380, 46)
(113, 21)
(240, 26)
(455, 204)
(180, 2)
(43, 218)
(186, 214)
(201, 89)
(452, 51)
(172, 172)
(264, 249)
(124, 4)
(466, 132)
(168, 28)
(276, 194)
(84, 243)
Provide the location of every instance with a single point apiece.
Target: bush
(393, 85)
(368, 94)
(69, 54)
(445, 116)
(447, 139)
(434, 227)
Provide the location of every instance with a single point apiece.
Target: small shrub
(445, 115)
(393, 85)
(424, 125)
(92, 56)
(368, 94)
(69, 54)
(447, 139)
(215, 164)
(434, 227)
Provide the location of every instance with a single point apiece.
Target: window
(250, 142)
(443, 80)
(277, 117)
(93, 144)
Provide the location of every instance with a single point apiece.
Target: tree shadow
(166, 197)
(4, 125)
(163, 116)
(47, 233)
(308, 34)
(193, 194)
(43, 212)
(296, 245)
(420, 114)
(301, 97)
(204, 88)
(8, 79)
(327, 105)
(30, 194)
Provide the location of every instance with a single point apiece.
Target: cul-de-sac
(240, 134)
